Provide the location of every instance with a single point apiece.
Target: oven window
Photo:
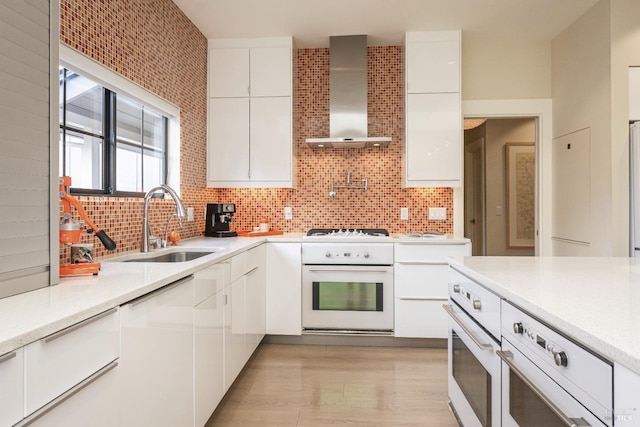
(526, 408)
(473, 379)
(347, 296)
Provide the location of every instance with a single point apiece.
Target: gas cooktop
(346, 232)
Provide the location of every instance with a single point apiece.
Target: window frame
(116, 84)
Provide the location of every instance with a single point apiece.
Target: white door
(270, 71)
(229, 72)
(270, 148)
(228, 156)
(433, 67)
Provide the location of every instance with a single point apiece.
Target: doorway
(500, 185)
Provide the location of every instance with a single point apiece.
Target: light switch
(498, 210)
(404, 214)
(190, 215)
(288, 213)
(438, 214)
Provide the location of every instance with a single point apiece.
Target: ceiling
(311, 22)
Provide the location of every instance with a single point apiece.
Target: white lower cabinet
(156, 363)
(12, 390)
(284, 289)
(420, 281)
(235, 354)
(209, 340)
(626, 389)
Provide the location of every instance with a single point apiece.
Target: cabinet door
(270, 71)
(12, 390)
(156, 359)
(255, 298)
(208, 357)
(433, 67)
(284, 289)
(271, 139)
(229, 72)
(235, 354)
(421, 281)
(434, 135)
(415, 318)
(228, 151)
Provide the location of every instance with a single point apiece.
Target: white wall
(501, 68)
(581, 84)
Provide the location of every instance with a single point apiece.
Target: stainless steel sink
(180, 256)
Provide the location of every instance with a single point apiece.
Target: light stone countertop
(30, 316)
(596, 301)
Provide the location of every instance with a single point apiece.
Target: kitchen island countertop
(593, 300)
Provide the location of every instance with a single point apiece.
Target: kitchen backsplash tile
(155, 45)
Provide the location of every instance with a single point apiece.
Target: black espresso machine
(218, 218)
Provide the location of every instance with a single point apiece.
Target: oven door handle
(570, 422)
(466, 329)
(348, 270)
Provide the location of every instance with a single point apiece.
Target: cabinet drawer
(420, 319)
(56, 363)
(12, 390)
(434, 252)
(426, 281)
(209, 281)
(246, 261)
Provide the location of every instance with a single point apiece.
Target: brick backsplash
(155, 45)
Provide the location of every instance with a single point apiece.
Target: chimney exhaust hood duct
(348, 96)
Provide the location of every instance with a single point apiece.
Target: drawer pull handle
(423, 298)
(152, 294)
(7, 356)
(570, 422)
(466, 329)
(66, 395)
(253, 270)
(423, 263)
(72, 328)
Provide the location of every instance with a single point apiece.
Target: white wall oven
(548, 380)
(474, 369)
(347, 284)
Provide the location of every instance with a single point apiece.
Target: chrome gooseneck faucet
(181, 212)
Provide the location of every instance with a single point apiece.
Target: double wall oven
(506, 368)
(347, 281)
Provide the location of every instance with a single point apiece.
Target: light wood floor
(319, 385)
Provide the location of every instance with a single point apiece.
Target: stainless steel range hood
(348, 96)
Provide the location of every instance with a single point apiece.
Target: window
(109, 143)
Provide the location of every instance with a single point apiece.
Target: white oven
(347, 287)
(548, 380)
(474, 369)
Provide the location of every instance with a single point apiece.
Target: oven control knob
(366, 255)
(560, 357)
(456, 288)
(518, 328)
(328, 255)
(477, 304)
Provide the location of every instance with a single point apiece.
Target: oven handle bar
(570, 422)
(466, 329)
(349, 270)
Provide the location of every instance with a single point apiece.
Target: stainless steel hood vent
(348, 96)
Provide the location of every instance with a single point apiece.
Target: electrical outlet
(288, 213)
(438, 214)
(190, 215)
(404, 214)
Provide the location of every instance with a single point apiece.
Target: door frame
(477, 145)
(541, 110)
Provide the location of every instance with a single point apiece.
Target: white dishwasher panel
(12, 390)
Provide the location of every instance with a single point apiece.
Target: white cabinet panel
(235, 354)
(433, 67)
(270, 71)
(420, 319)
(229, 72)
(626, 389)
(255, 310)
(421, 281)
(429, 252)
(433, 149)
(270, 157)
(284, 289)
(156, 361)
(95, 404)
(12, 390)
(228, 152)
(58, 362)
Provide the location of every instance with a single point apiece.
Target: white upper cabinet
(433, 66)
(250, 129)
(433, 146)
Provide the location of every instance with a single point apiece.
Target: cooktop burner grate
(346, 232)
